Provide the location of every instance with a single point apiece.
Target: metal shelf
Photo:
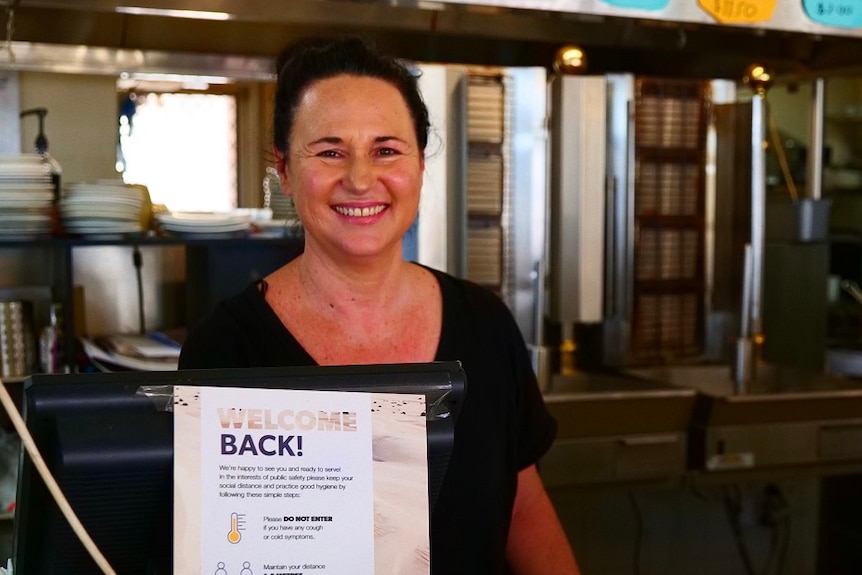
(215, 267)
(148, 240)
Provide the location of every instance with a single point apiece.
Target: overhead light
(758, 78)
(173, 13)
(169, 82)
(190, 78)
(570, 60)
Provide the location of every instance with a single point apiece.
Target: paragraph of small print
(279, 481)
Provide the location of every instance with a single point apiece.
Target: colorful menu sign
(739, 11)
(640, 4)
(840, 13)
(833, 17)
(288, 482)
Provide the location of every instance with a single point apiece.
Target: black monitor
(110, 448)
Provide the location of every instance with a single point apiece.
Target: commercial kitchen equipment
(629, 214)
(483, 207)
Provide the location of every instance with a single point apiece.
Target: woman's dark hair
(319, 58)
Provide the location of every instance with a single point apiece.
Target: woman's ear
(279, 160)
(281, 168)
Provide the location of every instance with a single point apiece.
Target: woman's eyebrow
(337, 140)
(326, 140)
(381, 139)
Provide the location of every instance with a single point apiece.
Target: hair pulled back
(318, 58)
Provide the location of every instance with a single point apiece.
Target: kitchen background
(486, 75)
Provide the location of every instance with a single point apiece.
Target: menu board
(641, 4)
(840, 13)
(833, 17)
(739, 11)
(276, 481)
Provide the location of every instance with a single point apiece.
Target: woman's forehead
(348, 87)
(350, 102)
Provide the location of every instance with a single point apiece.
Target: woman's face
(354, 167)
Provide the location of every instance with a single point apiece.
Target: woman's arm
(537, 544)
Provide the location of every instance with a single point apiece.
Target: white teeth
(359, 212)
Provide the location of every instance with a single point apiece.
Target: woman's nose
(359, 175)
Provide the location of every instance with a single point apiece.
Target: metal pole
(815, 151)
(758, 207)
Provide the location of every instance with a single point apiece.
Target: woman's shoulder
(241, 307)
(465, 292)
(227, 328)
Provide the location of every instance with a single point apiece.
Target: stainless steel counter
(786, 417)
(660, 422)
(616, 427)
(590, 404)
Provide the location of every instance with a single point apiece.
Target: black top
(503, 426)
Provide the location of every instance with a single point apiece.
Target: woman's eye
(387, 152)
(328, 154)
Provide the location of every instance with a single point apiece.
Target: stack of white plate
(102, 208)
(285, 221)
(205, 224)
(26, 197)
(274, 198)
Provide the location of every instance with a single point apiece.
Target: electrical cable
(776, 515)
(40, 465)
(639, 529)
(780, 153)
(785, 547)
(733, 507)
(139, 263)
(772, 553)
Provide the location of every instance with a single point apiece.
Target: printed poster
(290, 482)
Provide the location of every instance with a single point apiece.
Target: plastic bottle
(51, 342)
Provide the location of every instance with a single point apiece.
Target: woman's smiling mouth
(360, 212)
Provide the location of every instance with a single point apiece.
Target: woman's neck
(375, 283)
(387, 311)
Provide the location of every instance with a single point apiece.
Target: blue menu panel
(642, 4)
(840, 13)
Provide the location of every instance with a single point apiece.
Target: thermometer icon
(234, 535)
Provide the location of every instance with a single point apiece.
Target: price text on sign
(739, 11)
(840, 13)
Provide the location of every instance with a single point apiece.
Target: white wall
(10, 132)
(81, 124)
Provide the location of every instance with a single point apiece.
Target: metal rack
(488, 253)
(669, 225)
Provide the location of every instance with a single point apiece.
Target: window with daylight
(182, 146)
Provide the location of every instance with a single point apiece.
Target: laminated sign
(290, 482)
(739, 11)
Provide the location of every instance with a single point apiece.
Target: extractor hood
(244, 35)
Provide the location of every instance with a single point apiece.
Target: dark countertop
(672, 398)
(590, 404)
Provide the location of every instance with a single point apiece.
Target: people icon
(220, 570)
(246, 568)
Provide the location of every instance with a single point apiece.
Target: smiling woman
(349, 135)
